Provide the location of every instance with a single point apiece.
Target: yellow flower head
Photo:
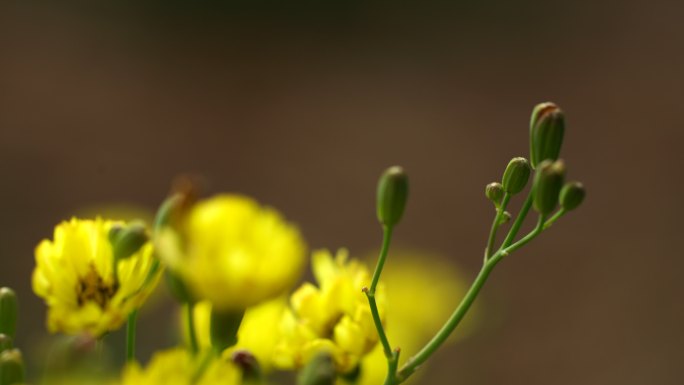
(179, 367)
(333, 317)
(74, 275)
(233, 252)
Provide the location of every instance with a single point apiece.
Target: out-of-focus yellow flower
(258, 333)
(179, 367)
(74, 275)
(333, 317)
(411, 278)
(233, 252)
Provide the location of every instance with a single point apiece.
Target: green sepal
(127, 240)
(392, 194)
(11, 367)
(516, 175)
(320, 370)
(572, 195)
(548, 182)
(547, 127)
(8, 311)
(224, 327)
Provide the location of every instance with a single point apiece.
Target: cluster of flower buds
(11, 361)
(549, 190)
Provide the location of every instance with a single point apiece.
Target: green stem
(190, 320)
(386, 239)
(130, 335)
(554, 218)
(392, 364)
(378, 324)
(495, 225)
(370, 293)
(414, 362)
(392, 358)
(518, 221)
(537, 230)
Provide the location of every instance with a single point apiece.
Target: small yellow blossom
(333, 317)
(179, 367)
(233, 252)
(258, 333)
(74, 275)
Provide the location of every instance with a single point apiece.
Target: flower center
(92, 287)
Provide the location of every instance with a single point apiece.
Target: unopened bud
(224, 327)
(547, 126)
(11, 367)
(8, 311)
(516, 175)
(572, 195)
(5, 342)
(392, 195)
(320, 370)
(494, 192)
(548, 182)
(126, 241)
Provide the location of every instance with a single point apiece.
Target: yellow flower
(74, 275)
(178, 367)
(333, 317)
(258, 333)
(233, 252)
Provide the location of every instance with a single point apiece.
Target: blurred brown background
(303, 106)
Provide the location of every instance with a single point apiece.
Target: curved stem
(386, 239)
(370, 293)
(495, 225)
(190, 321)
(130, 335)
(392, 358)
(414, 362)
(554, 218)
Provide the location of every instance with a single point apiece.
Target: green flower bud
(11, 367)
(516, 175)
(224, 327)
(319, 371)
(128, 240)
(5, 342)
(572, 195)
(392, 194)
(494, 192)
(547, 185)
(8, 311)
(547, 126)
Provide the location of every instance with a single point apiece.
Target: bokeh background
(303, 105)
